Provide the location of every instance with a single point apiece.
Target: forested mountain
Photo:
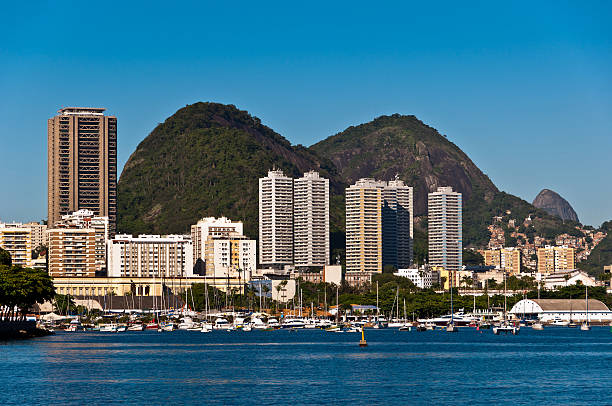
(205, 160)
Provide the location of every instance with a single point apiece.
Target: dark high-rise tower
(82, 164)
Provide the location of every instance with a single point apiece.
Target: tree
(5, 258)
(24, 287)
(472, 258)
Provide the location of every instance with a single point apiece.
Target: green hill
(206, 159)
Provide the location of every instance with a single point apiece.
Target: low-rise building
(423, 277)
(17, 240)
(548, 310)
(560, 279)
(150, 256)
(357, 279)
(72, 252)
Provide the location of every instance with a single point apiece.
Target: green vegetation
(5, 258)
(472, 258)
(24, 287)
(205, 160)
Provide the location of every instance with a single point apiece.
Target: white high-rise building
(364, 226)
(311, 220)
(398, 227)
(82, 219)
(275, 219)
(445, 229)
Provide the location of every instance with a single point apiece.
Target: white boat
(186, 323)
(505, 328)
(121, 328)
(258, 324)
(75, 325)
(293, 323)
(537, 326)
(272, 322)
(406, 327)
(135, 327)
(222, 324)
(108, 328)
(167, 326)
(206, 328)
(334, 329)
(585, 326)
(310, 323)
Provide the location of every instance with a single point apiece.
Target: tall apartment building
(39, 234)
(364, 235)
(150, 256)
(211, 226)
(17, 240)
(555, 259)
(508, 259)
(445, 229)
(311, 220)
(72, 252)
(397, 224)
(275, 219)
(82, 164)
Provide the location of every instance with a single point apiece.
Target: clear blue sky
(525, 89)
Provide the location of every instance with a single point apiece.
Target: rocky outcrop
(554, 204)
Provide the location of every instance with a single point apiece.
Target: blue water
(557, 365)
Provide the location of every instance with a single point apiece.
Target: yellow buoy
(362, 342)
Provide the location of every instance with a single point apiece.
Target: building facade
(17, 240)
(311, 220)
(275, 219)
(82, 163)
(508, 259)
(445, 229)
(364, 236)
(233, 255)
(211, 226)
(554, 259)
(150, 256)
(100, 224)
(398, 227)
(72, 252)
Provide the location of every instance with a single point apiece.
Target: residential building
(423, 277)
(560, 279)
(459, 279)
(445, 228)
(232, 255)
(311, 220)
(150, 256)
(17, 240)
(554, 259)
(82, 163)
(275, 219)
(508, 259)
(100, 224)
(211, 226)
(364, 235)
(72, 252)
(39, 234)
(397, 224)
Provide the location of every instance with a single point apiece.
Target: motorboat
(459, 319)
(121, 328)
(258, 324)
(505, 328)
(222, 324)
(585, 327)
(167, 326)
(421, 327)
(537, 326)
(186, 323)
(247, 327)
(75, 325)
(273, 323)
(108, 328)
(406, 327)
(334, 329)
(293, 323)
(451, 328)
(152, 326)
(135, 327)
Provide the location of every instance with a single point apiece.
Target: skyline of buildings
(82, 164)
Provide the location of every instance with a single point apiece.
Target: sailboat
(451, 328)
(571, 323)
(407, 326)
(585, 326)
(505, 327)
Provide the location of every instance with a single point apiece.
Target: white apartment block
(275, 219)
(398, 226)
(311, 220)
(422, 278)
(211, 226)
(17, 240)
(364, 226)
(39, 234)
(155, 256)
(445, 229)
